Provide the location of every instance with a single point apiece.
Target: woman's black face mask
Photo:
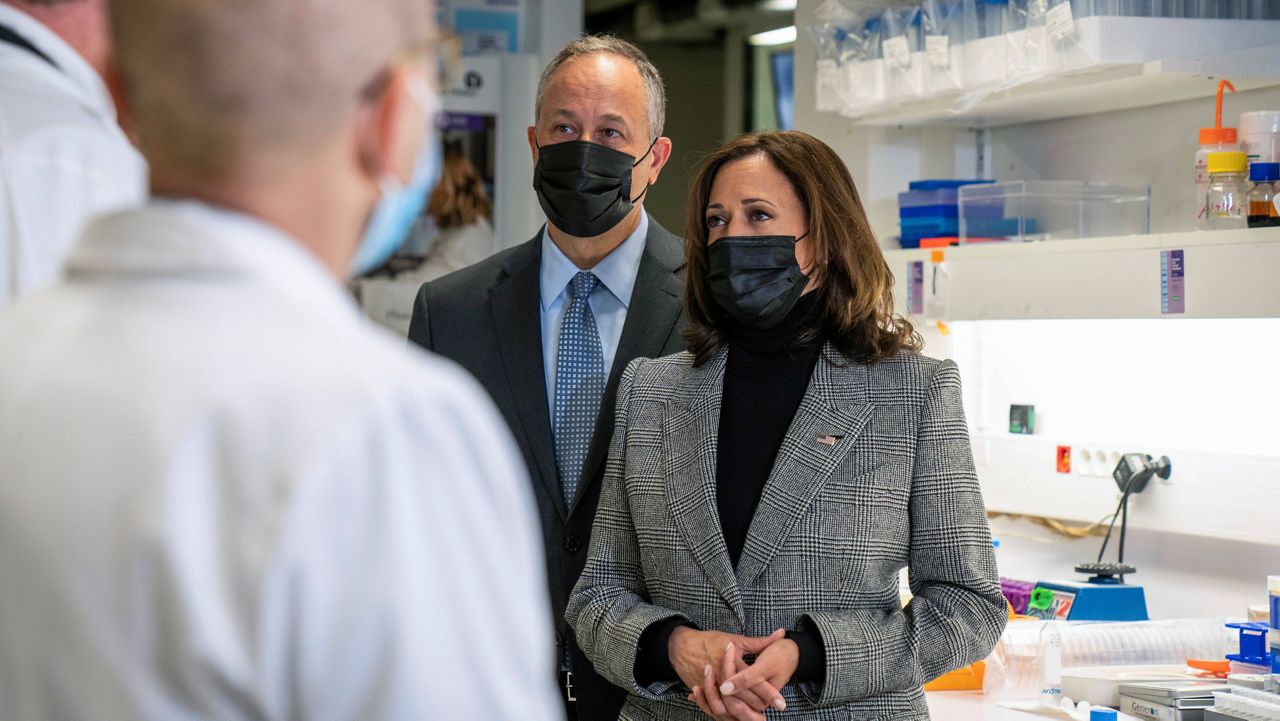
(756, 279)
(584, 187)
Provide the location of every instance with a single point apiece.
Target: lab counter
(970, 706)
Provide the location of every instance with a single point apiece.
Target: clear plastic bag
(944, 39)
(1013, 668)
(903, 53)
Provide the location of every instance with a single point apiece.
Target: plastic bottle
(1212, 140)
(1050, 664)
(1262, 191)
(1226, 203)
(1260, 135)
(1103, 714)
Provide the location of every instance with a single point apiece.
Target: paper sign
(897, 54)
(939, 50)
(1059, 22)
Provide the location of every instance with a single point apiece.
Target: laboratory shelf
(1099, 89)
(1227, 274)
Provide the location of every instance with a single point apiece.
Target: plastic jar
(1260, 136)
(1226, 202)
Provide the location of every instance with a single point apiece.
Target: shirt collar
(617, 272)
(72, 69)
(192, 240)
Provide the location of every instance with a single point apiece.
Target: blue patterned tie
(580, 380)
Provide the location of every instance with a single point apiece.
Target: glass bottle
(1262, 193)
(1226, 204)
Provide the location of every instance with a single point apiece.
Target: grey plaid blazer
(836, 522)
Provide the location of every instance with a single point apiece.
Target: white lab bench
(970, 706)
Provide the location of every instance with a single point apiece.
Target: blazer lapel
(654, 310)
(832, 414)
(689, 449)
(517, 320)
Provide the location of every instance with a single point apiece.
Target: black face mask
(756, 279)
(584, 187)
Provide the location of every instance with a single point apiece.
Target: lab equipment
(1102, 714)
(1226, 204)
(1101, 684)
(1053, 209)
(1262, 191)
(1098, 599)
(1253, 644)
(1022, 419)
(1260, 134)
(1173, 700)
(1212, 140)
(1050, 663)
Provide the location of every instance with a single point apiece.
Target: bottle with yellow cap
(1227, 201)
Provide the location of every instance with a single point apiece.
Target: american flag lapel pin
(828, 440)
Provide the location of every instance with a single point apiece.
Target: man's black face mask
(584, 187)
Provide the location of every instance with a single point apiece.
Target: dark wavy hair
(855, 286)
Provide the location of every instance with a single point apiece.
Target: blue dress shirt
(609, 302)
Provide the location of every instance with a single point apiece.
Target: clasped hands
(724, 686)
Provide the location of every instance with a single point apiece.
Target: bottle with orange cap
(1212, 140)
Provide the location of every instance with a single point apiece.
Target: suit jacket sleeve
(609, 608)
(419, 328)
(957, 611)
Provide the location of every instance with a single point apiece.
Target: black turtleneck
(765, 379)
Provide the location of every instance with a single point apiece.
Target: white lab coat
(224, 494)
(389, 301)
(63, 158)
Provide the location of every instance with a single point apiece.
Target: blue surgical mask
(400, 205)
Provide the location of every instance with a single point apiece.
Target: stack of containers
(1273, 636)
(931, 209)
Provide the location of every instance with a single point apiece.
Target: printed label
(938, 48)
(1059, 21)
(1173, 296)
(915, 287)
(897, 54)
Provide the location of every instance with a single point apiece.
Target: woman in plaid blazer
(747, 545)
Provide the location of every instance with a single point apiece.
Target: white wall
(1207, 391)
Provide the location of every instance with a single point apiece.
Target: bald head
(215, 83)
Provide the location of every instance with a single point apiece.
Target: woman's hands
(703, 659)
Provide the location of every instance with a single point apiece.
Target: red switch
(1064, 459)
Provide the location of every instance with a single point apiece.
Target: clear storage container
(1053, 210)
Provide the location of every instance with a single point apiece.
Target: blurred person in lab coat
(63, 157)
(223, 494)
(458, 213)
(460, 207)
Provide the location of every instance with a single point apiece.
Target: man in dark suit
(548, 326)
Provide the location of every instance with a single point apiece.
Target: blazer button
(570, 544)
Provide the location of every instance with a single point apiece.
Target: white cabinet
(1227, 274)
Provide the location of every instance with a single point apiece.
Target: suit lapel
(516, 307)
(652, 314)
(689, 449)
(834, 410)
